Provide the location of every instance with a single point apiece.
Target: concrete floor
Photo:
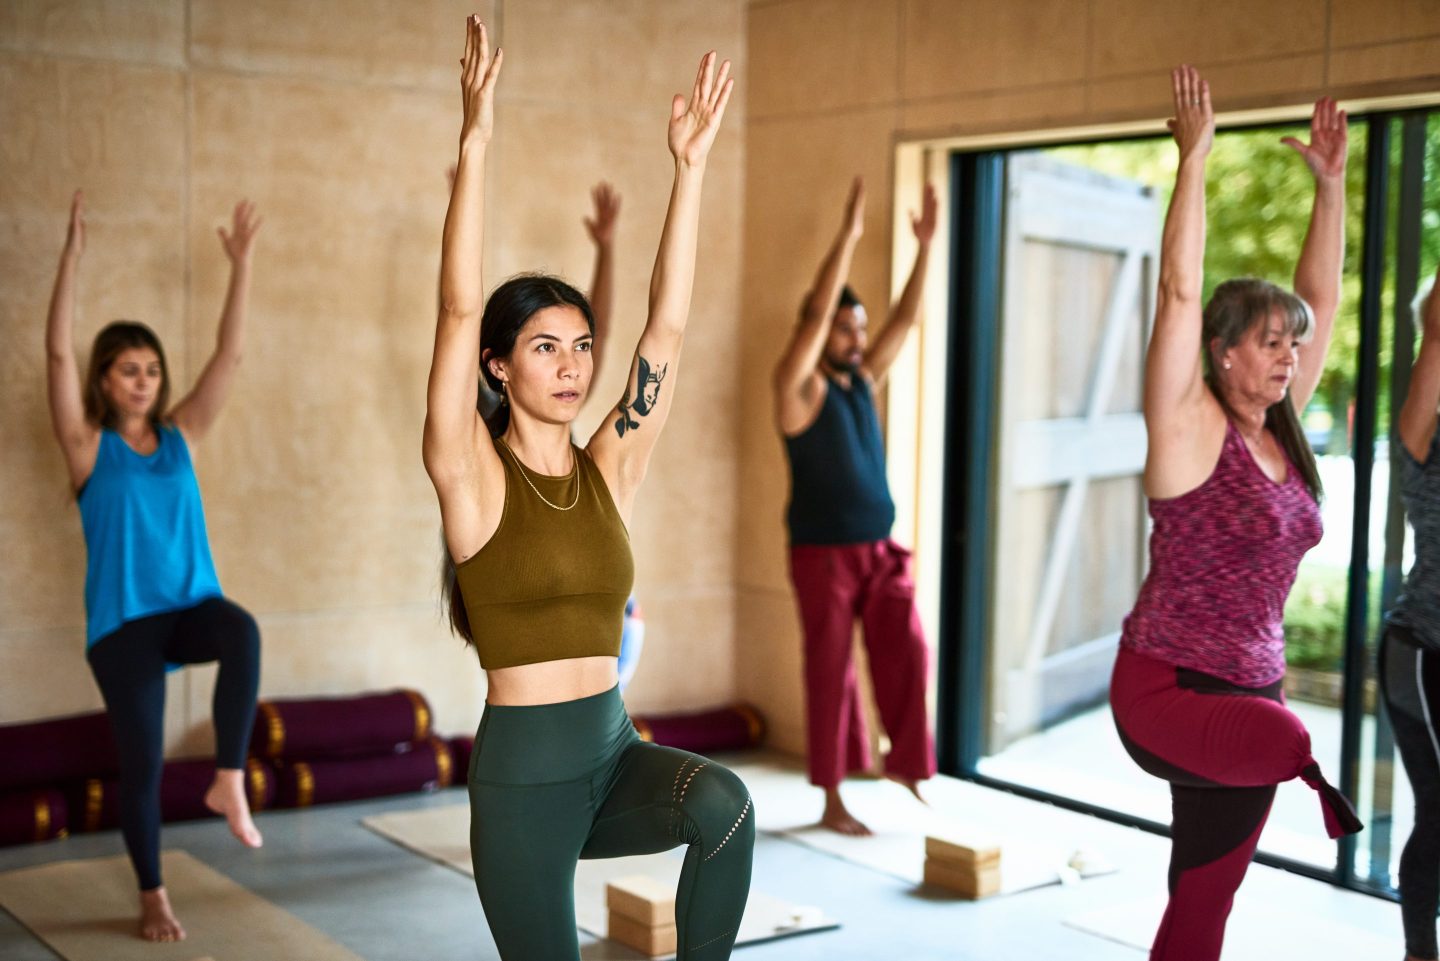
(387, 904)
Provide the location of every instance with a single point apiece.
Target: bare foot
(840, 820)
(227, 796)
(157, 921)
(910, 784)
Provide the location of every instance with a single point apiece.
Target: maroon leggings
(1223, 748)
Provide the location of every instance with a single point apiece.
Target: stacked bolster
(324, 750)
(41, 763)
(62, 775)
(731, 728)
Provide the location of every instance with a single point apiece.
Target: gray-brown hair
(1236, 308)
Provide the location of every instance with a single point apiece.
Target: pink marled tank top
(1222, 560)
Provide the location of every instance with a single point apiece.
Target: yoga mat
(443, 835)
(787, 805)
(1257, 931)
(87, 910)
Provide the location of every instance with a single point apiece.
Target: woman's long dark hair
(1235, 309)
(112, 341)
(510, 307)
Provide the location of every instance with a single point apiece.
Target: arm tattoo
(646, 396)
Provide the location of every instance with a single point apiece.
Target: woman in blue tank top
(152, 599)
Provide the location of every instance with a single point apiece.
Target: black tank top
(838, 491)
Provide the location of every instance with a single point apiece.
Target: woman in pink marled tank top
(1233, 491)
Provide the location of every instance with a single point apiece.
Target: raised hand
(75, 232)
(924, 225)
(1194, 122)
(693, 125)
(1326, 152)
(855, 208)
(601, 226)
(244, 224)
(478, 73)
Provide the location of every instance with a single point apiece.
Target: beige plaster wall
(339, 117)
(836, 85)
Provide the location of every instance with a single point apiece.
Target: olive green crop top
(550, 583)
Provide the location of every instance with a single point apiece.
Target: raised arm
(886, 348)
(199, 408)
(807, 343)
(1173, 372)
(457, 452)
(622, 445)
(1418, 416)
(78, 438)
(1317, 275)
(1178, 406)
(601, 228)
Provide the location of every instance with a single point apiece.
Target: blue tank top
(838, 490)
(145, 538)
(1418, 606)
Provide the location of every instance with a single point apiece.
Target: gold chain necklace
(574, 470)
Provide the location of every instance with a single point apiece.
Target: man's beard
(843, 366)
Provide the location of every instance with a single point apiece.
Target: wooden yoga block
(654, 941)
(974, 852)
(641, 899)
(966, 881)
(642, 914)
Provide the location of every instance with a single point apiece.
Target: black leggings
(554, 783)
(1410, 680)
(129, 665)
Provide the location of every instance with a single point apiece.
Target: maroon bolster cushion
(45, 753)
(460, 748)
(723, 729)
(427, 764)
(95, 803)
(29, 816)
(333, 727)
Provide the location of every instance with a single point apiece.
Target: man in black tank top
(843, 562)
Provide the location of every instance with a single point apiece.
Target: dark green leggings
(554, 783)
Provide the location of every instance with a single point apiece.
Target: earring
(1227, 365)
(504, 393)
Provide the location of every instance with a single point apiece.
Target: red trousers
(835, 585)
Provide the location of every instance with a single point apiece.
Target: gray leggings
(1410, 681)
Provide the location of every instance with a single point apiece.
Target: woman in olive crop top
(540, 566)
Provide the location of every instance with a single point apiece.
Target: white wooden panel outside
(1057, 441)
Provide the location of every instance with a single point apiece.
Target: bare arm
(903, 315)
(457, 452)
(1418, 415)
(1317, 275)
(802, 356)
(1180, 412)
(623, 443)
(1173, 371)
(199, 408)
(601, 228)
(78, 438)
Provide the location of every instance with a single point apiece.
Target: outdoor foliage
(1258, 196)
